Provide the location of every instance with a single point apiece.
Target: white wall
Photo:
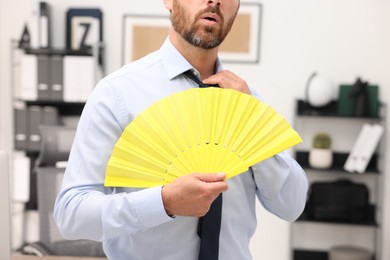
(3, 71)
(339, 39)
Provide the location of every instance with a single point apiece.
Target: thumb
(212, 177)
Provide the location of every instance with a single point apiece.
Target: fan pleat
(251, 130)
(198, 130)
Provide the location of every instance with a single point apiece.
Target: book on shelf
(363, 148)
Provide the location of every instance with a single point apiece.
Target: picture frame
(143, 34)
(84, 28)
(242, 44)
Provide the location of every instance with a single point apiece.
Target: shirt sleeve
(85, 209)
(282, 186)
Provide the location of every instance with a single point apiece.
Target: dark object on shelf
(359, 92)
(25, 39)
(349, 252)
(44, 25)
(56, 144)
(305, 109)
(60, 51)
(340, 200)
(359, 99)
(310, 255)
(64, 108)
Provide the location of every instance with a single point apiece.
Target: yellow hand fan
(204, 130)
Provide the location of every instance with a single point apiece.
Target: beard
(198, 35)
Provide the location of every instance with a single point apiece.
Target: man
(161, 222)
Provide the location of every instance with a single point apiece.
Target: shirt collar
(175, 64)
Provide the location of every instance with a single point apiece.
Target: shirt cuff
(150, 209)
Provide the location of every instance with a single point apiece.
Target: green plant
(322, 141)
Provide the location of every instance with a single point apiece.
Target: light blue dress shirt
(132, 223)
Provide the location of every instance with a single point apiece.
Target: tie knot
(192, 75)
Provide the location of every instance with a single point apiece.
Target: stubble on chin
(198, 35)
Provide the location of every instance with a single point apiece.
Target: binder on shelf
(28, 77)
(34, 120)
(21, 130)
(79, 77)
(21, 178)
(44, 77)
(56, 90)
(49, 116)
(363, 148)
(87, 77)
(27, 123)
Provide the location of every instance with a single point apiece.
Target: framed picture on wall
(242, 44)
(143, 34)
(84, 28)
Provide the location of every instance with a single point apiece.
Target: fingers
(192, 195)
(229, 80)
(213, 177)
(213, 183)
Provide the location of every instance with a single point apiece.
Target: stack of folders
(27, 122)
(80, 76)
(363, 148)
(41, 77)
(52, 77)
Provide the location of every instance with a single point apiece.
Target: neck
(201, 59)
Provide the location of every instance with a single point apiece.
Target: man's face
(201, 24)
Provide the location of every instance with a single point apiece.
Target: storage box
(346, 104)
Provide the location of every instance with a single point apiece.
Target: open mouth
(210, 19)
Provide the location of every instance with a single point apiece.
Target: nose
(214, 2)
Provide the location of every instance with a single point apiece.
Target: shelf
(330, 110)
(368, 223)
(309, 255)
(62, 52)
(339, 160)
(64, 108)
(303, 254)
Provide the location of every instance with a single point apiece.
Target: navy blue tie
(191, 75)
(209, 225)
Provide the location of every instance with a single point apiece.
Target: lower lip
(210, 22)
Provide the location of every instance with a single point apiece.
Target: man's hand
(192, 195)
(227, 79)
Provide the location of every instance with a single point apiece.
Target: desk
(29, 257)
